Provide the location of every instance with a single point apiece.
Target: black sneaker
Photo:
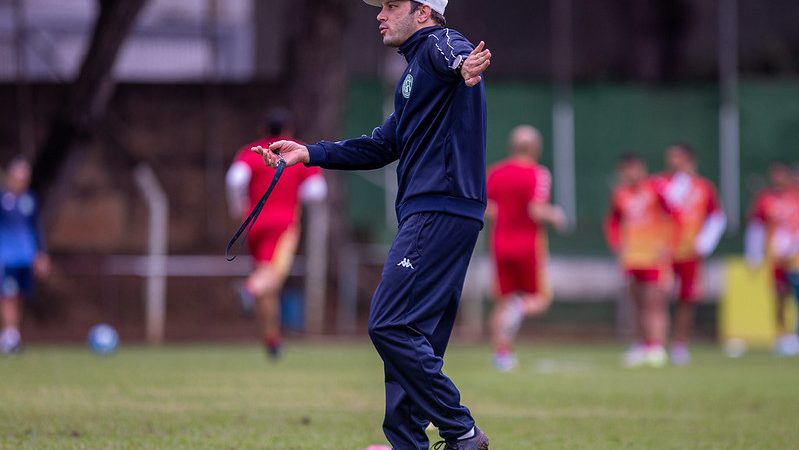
(477, 442)
(274, 351)
(273, 347)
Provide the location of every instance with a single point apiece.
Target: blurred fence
(172, 130)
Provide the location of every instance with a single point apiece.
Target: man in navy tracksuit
(437, 132)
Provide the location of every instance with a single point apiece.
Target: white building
(173, 40)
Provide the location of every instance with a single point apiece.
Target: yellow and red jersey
(778, 210)
(512, 186)
(283, 208)
(793, 261)
(689, 214)
(639, 226)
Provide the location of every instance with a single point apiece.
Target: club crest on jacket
(407, 86)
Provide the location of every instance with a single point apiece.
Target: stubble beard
(403, 30)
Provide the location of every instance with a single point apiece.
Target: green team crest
(407, 86)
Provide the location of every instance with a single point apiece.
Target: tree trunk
(316, 68)
(316, 74)
(88, 96)
(316, 77)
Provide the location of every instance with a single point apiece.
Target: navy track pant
(412, 315)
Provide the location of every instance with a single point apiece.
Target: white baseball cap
(436, 5)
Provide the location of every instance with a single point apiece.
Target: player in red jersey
(699, 226)
(518, 194)
(274, 237)
(793, 260)
(638, 229)
(774, 215)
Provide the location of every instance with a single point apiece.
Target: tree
(655, 34)
(316, 65)
(88, 96)
(316, 77)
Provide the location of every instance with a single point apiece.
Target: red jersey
(282, 208)
(691, 211)
(778, 209)
(639, 227)
(512, 186)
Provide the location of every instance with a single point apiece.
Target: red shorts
(647, 275)
(688, 274)
(274, 245)
(524, 272)
(782, 285)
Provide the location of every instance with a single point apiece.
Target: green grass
(330, 397)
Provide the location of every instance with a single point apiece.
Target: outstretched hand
(290, 151)
(476, 63)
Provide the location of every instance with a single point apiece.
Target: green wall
(609, 119)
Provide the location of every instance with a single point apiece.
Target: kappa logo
(406, 263)
(407, 86)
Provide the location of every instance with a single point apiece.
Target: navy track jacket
(437, 132)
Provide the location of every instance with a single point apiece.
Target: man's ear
(423, 13)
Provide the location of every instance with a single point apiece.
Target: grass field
(330, 397)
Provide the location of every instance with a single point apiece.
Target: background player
(274, 237)
(699, 226)
(518, 193)
(22, 250)
(638, 229)
(793, 263)
(775, 213)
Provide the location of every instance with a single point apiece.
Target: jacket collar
(409, 48)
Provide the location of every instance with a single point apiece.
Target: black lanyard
(250, 221)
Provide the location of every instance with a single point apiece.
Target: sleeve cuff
(316, 155)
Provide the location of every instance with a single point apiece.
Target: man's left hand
(291, 152)
(476, 63)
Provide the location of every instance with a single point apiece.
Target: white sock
(9, 338)
(468, 435)
(512, 321)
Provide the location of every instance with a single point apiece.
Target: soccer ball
(103, 339)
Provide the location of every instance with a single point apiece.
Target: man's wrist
(457, 64)
(315, 154)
